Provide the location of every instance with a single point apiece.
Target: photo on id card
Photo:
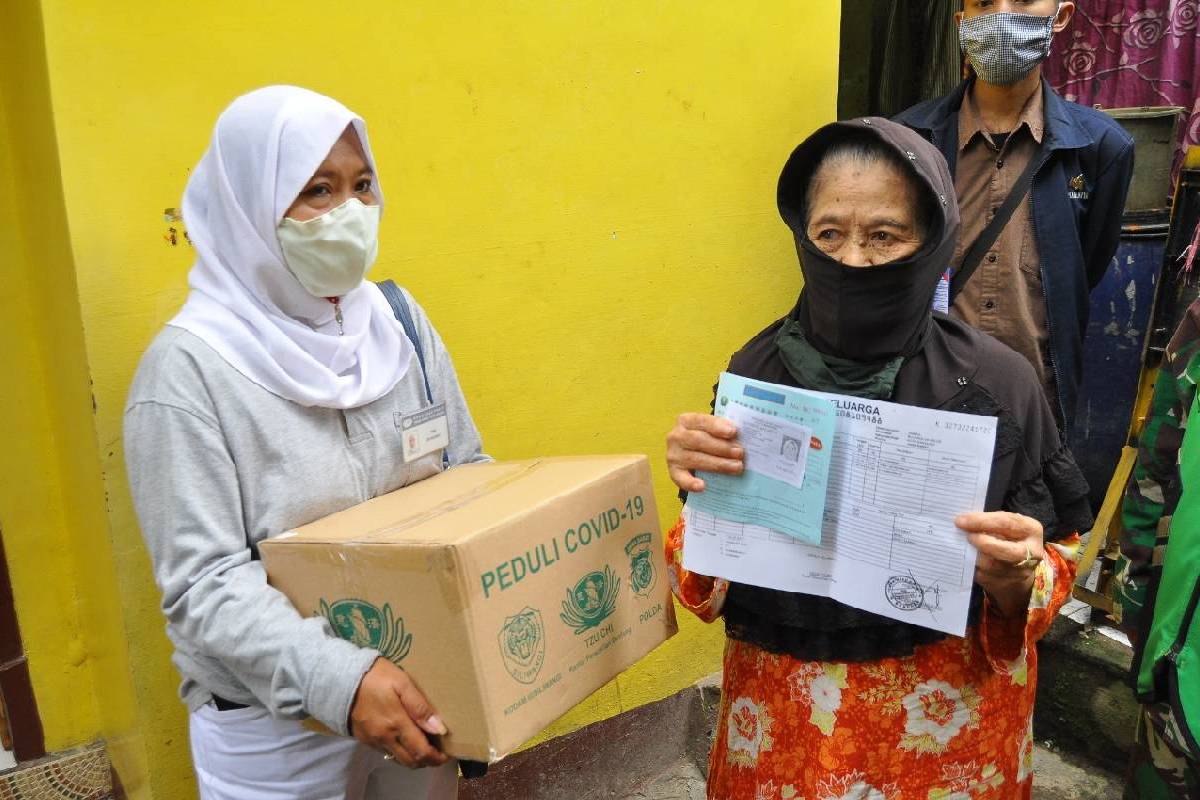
(424, 432)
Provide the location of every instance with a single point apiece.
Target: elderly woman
(271, 400)
(821, 700)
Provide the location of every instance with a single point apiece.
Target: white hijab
(244, 302)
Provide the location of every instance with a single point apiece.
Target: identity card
(786, 435)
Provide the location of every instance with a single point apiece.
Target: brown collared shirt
(1004, 297)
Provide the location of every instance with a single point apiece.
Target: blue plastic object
(1116, 341)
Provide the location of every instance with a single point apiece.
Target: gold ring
(1029, 560)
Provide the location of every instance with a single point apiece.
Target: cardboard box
(509, 591)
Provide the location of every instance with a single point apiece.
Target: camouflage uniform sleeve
(1154, 486)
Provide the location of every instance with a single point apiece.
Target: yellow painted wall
(580, 193)
(51, 495)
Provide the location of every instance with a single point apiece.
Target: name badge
(941, 295)
(423, 432)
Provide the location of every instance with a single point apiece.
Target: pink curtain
(1118, 53)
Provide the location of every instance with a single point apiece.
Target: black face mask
(869, 314)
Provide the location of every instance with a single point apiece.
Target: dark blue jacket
(1077, 229)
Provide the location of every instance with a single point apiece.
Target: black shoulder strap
(403, 313)
(404, 316)
(992, 232)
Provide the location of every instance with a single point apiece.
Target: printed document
(786, 435)
(898, 476)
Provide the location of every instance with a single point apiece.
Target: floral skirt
(953, 721)
(942, 724)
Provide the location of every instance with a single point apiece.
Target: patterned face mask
(1005, 47)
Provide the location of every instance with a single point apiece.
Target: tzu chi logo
(591, 601)
(641, 566)
(365, 625)
(523, 644)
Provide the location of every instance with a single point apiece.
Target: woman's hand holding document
(846, 498)
(784, 485)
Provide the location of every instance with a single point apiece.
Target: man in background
(1041, 183)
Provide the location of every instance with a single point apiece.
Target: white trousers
(245, 754)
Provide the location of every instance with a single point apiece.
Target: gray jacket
(217, 464)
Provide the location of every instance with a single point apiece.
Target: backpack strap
(403, 313)
(404, 316)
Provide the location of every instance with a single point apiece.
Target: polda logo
(523, 644)
(642, 576)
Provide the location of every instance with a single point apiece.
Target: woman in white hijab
(275, 398)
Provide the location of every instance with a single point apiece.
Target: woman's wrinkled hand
(391, 715)
(1010, 548)
(702, 442)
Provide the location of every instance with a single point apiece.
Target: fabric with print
(951, 721)
(1129, 53)
(1004, 47)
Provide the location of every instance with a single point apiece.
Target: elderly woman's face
(343, 174)
(863, 215)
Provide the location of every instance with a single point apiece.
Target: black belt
(227, 705)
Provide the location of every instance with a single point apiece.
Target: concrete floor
(1058, 777)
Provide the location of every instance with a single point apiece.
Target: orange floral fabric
(951, 722)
